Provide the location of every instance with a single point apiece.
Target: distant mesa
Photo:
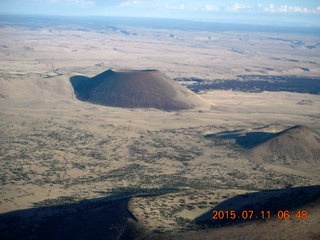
(296, 143)
(135, 89)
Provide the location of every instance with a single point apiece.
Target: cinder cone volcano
(298, 143)
(135, 89)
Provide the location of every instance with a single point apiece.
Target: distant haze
(282, 12)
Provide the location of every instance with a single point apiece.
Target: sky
(297, 12)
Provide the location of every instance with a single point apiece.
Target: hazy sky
(260, 11)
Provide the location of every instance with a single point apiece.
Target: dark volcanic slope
(135, 89)
(298, 143)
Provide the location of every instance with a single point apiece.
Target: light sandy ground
(53, 145)
(198, 54)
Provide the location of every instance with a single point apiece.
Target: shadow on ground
(104, 218)
(90, 219)
(271, 200)
(245, 140)
(65, 218)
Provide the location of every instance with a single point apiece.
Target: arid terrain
(58, 151)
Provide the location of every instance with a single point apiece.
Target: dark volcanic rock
(135, 89)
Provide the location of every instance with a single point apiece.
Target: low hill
(135, 89)
(298, 143)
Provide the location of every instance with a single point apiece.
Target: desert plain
(57, 150)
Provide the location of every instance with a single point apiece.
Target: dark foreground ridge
(90, 219)
(269, 200)
(134, 89)
(66, 218)
(105, 218)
